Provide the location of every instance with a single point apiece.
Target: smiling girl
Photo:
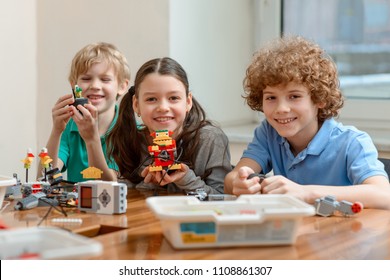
(162, 100)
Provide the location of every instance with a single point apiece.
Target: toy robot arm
(347, 208)
(328, 205)
(325, 206)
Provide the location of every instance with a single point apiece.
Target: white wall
(267, 21)
(214, 41)
(18, 77)
(138, 28)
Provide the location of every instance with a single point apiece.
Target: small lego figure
(163, 152)
(92, 173)
(45, 158)
(27, 161)
(77, 92)
(78, 97)
(45, 161)
(54, 176)
(328, 205)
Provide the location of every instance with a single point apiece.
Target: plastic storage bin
(46, 243)
(4, 183)
(250, 220)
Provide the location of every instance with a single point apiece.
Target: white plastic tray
(46, 243)
(249, 220)
(4, 183)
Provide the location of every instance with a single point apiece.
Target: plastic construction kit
(163, 152)
(328, 206)
(46, 243)
(78, 96)
(4, 183)
(102, 197)
(249, 220)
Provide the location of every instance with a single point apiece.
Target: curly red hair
(295, 59)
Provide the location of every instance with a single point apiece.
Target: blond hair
(96, 53)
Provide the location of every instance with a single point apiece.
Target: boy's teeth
(285, 121)
(94, 97)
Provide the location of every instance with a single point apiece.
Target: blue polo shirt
(73, 151)
(338, 155)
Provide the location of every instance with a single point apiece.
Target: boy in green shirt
(78, 136)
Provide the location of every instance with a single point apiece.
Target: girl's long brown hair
(127, 143)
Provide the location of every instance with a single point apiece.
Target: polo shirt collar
(321, 139)
(317, 144)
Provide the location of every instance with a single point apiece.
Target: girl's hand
(62, 112)
(86, 118)
(243, 185)
(148, 176)
(162, 178)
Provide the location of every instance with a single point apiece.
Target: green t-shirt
(73, 151)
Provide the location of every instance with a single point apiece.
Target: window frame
(370, 114)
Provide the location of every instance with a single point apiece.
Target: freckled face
(162, 103)
(290, 110)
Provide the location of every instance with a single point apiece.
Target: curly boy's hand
(281, 185)
(243, 185)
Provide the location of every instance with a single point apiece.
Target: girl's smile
(162, 102)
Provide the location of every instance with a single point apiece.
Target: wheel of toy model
(46, 189)
(27, 190)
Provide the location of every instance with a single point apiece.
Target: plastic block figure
(45, 161)
(163, 152)
(27, 161)
(328, 205)
(54, 176)
(78, 97)
(45, 158)
(102, 197)
(92, 173)
(77, 92)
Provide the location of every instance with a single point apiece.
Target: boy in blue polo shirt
(295, 84)
(78, 136)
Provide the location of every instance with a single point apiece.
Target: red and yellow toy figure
(45, 161)
(27, 161)
(163, 152)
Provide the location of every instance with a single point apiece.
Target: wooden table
(137, 235)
